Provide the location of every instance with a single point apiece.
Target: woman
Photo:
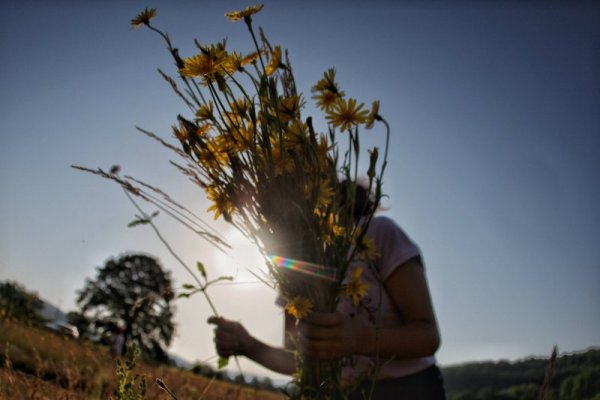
(398, 355)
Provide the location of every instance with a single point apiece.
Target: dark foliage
(131, 292)
(16, 301)
(576, 377)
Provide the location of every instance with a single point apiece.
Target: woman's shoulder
(387, 232)
(383, 223)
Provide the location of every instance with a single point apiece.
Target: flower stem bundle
(265, 170)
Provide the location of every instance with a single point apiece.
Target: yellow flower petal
(373, 115)
(274, 62)
(299, 307)
(356, 288)
(346, 114)
(144, 17)
(237, 15)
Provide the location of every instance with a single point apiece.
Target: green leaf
(222, 363)
(201, 269)
(183, 295)
(188, 286)
(139, 221)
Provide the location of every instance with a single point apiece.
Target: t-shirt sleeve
(394, 247)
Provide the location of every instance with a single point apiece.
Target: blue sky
(493, 170)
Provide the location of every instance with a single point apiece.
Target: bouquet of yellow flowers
(264, 169)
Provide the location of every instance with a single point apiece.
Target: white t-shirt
(393, 248)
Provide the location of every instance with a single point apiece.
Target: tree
(134, 293)
(16, 301)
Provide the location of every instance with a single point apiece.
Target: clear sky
(494, 108)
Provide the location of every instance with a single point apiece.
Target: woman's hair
(363, 202)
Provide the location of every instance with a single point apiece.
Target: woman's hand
(327, 336)
(231, 338)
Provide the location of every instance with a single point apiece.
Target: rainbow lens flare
(305, 267)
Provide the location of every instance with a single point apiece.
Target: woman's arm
(329, 336)
(231, 339)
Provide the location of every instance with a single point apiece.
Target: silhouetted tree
(16, 301)
(132, 292)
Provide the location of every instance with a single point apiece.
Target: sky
(493, 166)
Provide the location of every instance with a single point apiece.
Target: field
(41, 364)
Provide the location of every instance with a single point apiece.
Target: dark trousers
(424, 385)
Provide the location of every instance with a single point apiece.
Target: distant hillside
(576, 377)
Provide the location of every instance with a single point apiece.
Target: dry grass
(40, 364)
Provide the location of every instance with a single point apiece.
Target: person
(118, 340)
(398, 355)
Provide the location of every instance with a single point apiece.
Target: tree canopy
(134, 293)
(16, 301)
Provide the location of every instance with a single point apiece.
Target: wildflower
(356, 288)
(367, 249)
(346, 114)
(297, 130)
(274, 62)
(327, 83)
(211, 60)
(180, 133)
(327, 99)
(249, 11)
(299, 307)
(201, 65)
(206, 112)
(240, 107)
(249, 59)
(202, 130)
(144, 17)
(325, 193)
(289, 107)
(373, 115)
(222, 204)
(282, 162)
(330, 226)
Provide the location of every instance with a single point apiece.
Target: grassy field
(41, 364)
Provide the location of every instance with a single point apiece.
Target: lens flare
(305, 267)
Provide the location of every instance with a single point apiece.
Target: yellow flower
(274, 62)
(240, 107)
(373, 115)
(327, 83)
(201, 65)
(299, 307)
(222, 203)
(324, 193)
(212, 154)
(249, 59)
(180, 133)
(202, 130)
(144, 17)
(289, 107)
(327, 99)
(282, 162)
(346, 114)
(211, 60)
(206, 112)
(323, 147)
(356, 288)
(297, 131)
(330, 227)
(237, 15)
(367, 250)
